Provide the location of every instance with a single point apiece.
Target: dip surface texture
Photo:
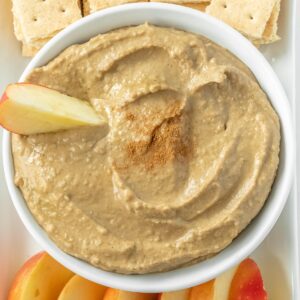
(186, 162)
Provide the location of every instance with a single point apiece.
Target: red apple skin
(247, 283)
(13, 294)
(3, 99)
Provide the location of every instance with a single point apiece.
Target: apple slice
(247, 283)
(41, 277)
(222, 284)
(27, 108)
(239, 283)
(204, 291)
(216, 289)
(114, 294)
(178, 295)
(78, 288)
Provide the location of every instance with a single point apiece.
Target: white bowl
(189, 20)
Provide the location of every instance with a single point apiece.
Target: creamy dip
(186, 161)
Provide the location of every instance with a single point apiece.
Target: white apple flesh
(30, 109)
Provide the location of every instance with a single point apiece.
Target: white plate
(277, 255)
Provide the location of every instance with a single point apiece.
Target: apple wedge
(178, 295)
(78, 288)
(216, 289)
(27, 108)
(41, 277)
(241, 282)
(247, 282)
(204, 291)
(114, 294)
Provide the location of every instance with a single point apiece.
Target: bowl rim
(254, 234)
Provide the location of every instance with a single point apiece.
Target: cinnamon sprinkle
(169, 141)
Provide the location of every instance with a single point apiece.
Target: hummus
(186, 161)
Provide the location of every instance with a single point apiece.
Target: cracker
(18, 29)
(248, 16)
(28, 50)
(39, 19)
(33, 48)
(91, 6)
(270, 34)
(198, 6)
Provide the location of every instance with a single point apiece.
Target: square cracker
(248, 16)
(39, 19)
(91, 6)
(28, 50)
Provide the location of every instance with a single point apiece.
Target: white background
(276, 256)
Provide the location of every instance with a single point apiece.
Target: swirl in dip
(186, 161)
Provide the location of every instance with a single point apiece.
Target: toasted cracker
(91, 6)
(248, 16)
(39, 19)
(199, 6)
